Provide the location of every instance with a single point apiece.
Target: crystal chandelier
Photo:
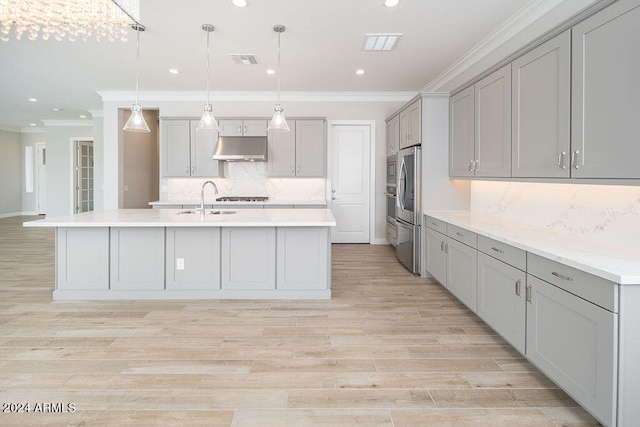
(72, 19)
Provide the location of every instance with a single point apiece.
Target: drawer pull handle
(528, 296)
(459, 234)
(434, 224)
(442, 246)
(518, 284)
(562, 276)
(497, 249)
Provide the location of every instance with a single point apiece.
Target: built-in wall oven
(408, 208)
(392, 176)
(392, 229)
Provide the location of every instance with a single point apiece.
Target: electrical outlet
(179, 263)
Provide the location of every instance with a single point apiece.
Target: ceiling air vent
(380, 42)
(243, 58)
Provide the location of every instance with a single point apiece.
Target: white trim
(509, 29)
(67, 123)
(73, 140)
(117, 294)
(38, 171)
(29, 214)
(10, 214)
(151, 96)
(380, 241)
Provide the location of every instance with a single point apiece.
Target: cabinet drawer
(460, 234)
(435, 224)
(505, 253)
(592, 288)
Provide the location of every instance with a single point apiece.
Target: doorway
(350, 172)
(41, 178)
(83, 176)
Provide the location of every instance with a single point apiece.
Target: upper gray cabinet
(185, 150)
(300, 152)
(410, 128)
(393, 135)
(606, 89)
(541, 109)
(239, 127)
(462, 139)
(481, 128)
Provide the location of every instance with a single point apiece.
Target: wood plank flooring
(389, 349)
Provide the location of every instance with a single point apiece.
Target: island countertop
(174, 218)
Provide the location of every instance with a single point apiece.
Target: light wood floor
(388, 349)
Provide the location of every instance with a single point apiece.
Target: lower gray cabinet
(436, 257)
(193, 258)
(303, 258)
(501, 299)
(461, 272)
(248, 259)
(137, 258)
(80, 265)
(574, 342)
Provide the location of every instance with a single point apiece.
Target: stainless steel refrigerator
(408, 207)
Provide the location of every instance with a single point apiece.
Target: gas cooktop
(242, 199)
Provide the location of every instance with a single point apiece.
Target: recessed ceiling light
(381, 42)
(271, 71)
(57, 110)
(33, 100)
(240, 3)
(359, 72)
(83, 116)
(32, 124)
(391, 3)
(244, 58)
(174, 71)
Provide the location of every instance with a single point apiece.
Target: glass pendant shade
(208, 121)
(136, 122)
(278, 123)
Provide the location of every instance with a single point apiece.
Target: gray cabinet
(436, 256)
(493, 124)
(192, 258)
(605, 89)
(541, 89)
(137, 258)
(240, 127)
(80, 265)
(410, 125)
(185, 150)
(248, 259)
(462, 134)
(302, 258)
(299, 153)
(461, 272)
(393, 135)
(574, 342)
(501, 299)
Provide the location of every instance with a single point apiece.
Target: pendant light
(136, 122)
(278, 123)
(208, 121)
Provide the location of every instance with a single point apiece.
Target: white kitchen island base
(151, 254)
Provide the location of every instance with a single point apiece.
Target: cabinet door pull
(193, 169)
(446, 248)
(562, 276)
(459, 234)
(561, 160)
(298, 170)
(186, 170)
(528, 296)
(574, 159)
(469, 165)
(518, 284)
(475, 169)
(442, 246)
(500, 251)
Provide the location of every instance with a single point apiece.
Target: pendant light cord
(207, 68)
(137, 62)
(279, 67)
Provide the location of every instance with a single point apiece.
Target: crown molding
(67, 123)
(33, 129)
(96, 113)
(509, 29)
(128, 96)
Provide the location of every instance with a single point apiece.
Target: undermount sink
(207, 212)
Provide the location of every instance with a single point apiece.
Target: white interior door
(41, 178)
(350, 171)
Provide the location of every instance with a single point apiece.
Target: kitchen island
(182, 254)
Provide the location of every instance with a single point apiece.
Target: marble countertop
(618, 264)
(210, 202)
(173, 218)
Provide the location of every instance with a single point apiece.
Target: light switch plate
(179, 263)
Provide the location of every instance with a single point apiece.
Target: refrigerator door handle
(402, 183)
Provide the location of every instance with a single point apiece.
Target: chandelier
(73, 19)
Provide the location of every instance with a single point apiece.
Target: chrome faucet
(215, 188)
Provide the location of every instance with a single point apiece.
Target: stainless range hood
(241, 149)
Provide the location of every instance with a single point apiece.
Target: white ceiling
(321, 49)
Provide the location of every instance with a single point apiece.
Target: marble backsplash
(606, 213)
(246, 179)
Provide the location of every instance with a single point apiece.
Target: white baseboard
(29, 213)
(7, 215)
(382, 241)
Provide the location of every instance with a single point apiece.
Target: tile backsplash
(246, 179)
(607, 213)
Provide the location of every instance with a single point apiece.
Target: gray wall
(10, 174)
(30, 139)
